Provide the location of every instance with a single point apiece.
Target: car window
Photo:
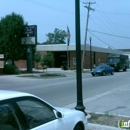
(8, 118)
(36, 113)
(100, 67)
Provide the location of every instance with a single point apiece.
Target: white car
(24, 111)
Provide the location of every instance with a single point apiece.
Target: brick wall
(20, 63)
(98, 55)
(23, 64)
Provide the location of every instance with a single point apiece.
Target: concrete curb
(101, 127)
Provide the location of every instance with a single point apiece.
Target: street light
(90, 54)
(79, 105)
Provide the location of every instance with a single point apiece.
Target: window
(74, 61)
(35, 112)
(8, 118)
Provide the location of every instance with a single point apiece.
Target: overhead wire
(70, 12)
(113, 13)
(101, 40)
(104, 25)
(111, 24)
(48, 6)
(114, 25)
(109, 34)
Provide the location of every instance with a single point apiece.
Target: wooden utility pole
(84, 51)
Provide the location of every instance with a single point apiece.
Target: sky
(108, 26)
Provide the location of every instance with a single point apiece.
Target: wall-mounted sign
(1, 56)
(1, 64)
(29, 35)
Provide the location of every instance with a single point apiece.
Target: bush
(47, 60)
(11, 69)
(17, 71)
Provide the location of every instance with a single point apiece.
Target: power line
(103, 23)
(112, 13)
(100, 39)
(115, 28)
(109, 34)
(48, 6)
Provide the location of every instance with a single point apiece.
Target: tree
(58, 37)
(10, 37)
(48, 59)
(37, 58)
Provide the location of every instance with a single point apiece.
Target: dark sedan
(103, 70)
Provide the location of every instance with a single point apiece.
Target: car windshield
(113, 60)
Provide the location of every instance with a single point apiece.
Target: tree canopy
(10, 37)
(48, 59)
(57, 37)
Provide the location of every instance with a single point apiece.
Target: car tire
(124, 69)
(117, 70)
(103, 73)
(93, 74)
(112, 72)
(78, 127)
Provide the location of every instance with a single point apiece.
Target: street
(62, 91)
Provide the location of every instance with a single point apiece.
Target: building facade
(63, 53)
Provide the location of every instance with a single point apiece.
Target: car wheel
(117, 70)
(93, 74)
(78, 127)
(112, 73)
(104, 73)
(124, 69)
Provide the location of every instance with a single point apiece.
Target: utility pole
(84, 51)
(90, 54)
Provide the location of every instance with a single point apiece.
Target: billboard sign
(29, 35)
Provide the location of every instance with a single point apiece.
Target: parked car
(103, 70)
(23, 111)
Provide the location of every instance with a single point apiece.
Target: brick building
(62, 53)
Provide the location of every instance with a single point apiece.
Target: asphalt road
(62, 91)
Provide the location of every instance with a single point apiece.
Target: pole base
(81, 108)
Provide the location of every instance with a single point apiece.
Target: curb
(101, 127)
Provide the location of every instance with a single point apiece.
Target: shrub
(48, 60)
(17, 71)
(11, 69)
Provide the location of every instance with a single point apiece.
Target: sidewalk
(114, 102)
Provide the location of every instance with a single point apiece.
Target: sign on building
(29, 35)
(1, 64)
(1, 61)
(1, 56)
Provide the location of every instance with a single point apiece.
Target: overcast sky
(109, 24)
